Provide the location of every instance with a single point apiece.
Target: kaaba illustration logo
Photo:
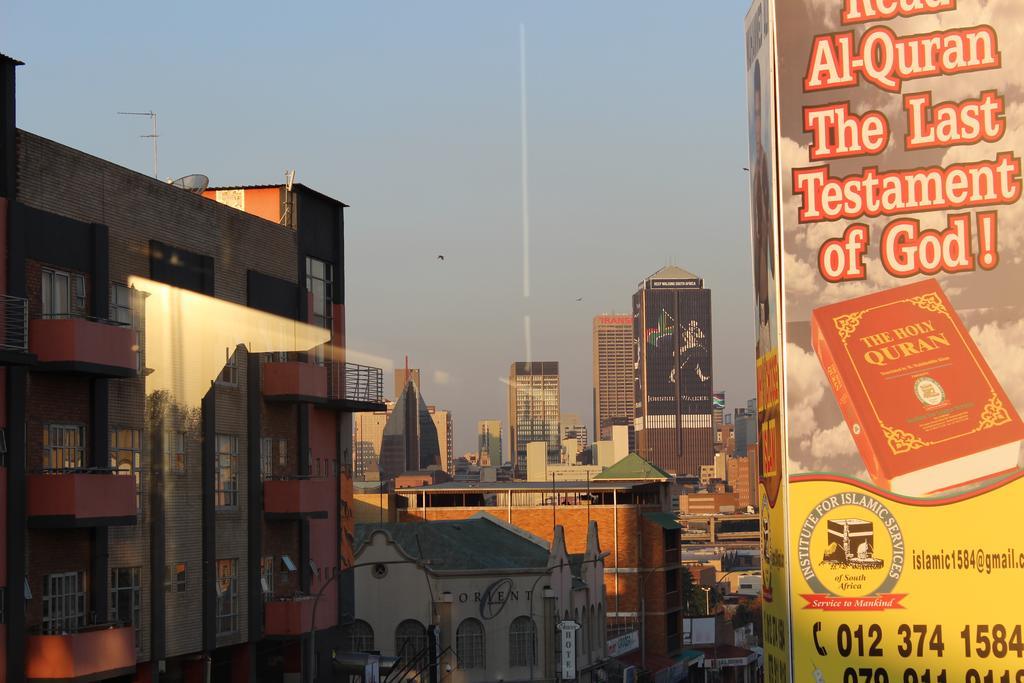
(851, 544)
(850, 551)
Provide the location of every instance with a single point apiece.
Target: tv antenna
(154, 135)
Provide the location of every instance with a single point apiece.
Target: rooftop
(269, 186)
(459, 545)
(672, 273)
(537, 486)
(633, 468)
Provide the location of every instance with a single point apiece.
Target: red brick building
(175, 408)
(633, 522)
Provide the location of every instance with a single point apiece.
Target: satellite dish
(195, 183)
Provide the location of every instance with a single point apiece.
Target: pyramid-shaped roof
(673, 273)
(633, 467)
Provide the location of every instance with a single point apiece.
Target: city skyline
(425, 146)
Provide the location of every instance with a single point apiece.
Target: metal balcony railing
(13, 323)
(353, 382)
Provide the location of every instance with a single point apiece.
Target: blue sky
(410, 113)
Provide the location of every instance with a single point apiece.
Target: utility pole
(154, 135)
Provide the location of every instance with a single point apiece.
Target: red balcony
(101, 652)
(295, 381)
(293, 616)
(298, 497)
(80, 499)
(83, 346)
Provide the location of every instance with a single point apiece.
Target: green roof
(663, 519)
(633, 467)
(468, 544)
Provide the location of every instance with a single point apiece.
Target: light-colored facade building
(613, 373)
(445, 427)
(430, 597)
(489, 443)
(534, 397)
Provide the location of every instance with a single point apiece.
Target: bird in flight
(579, 298)
(440, 257)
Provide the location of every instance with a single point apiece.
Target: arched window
(411, 643)
(595, 643)
(602, 633)
(360, 636)
(470, 645)
(522, 642)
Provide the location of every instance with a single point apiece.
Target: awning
(663, 519)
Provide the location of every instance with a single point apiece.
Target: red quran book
(924, 408)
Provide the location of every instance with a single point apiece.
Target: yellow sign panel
(886, 139)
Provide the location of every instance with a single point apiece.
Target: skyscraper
(533, 410)
(613, 375)
(403, 375)
(489, 442)
(672, 371)
(445, 436)
(410, 440)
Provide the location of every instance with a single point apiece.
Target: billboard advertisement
(898, 237)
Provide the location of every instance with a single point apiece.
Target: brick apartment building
(153, 333)
(630, 503)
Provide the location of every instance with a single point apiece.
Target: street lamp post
(714, 641)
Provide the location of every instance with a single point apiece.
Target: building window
(56, 294)
(64, 447)
(320, 283)
(360, 636)
(226, 485)
(126, 458)
(522, 642)
(177, 460)
(78, 292)
(63, 602)
(470, 645)
(229, 375)
(266, 457)
(267, 576)
(227, 596)
(121, 304)
(176, 577)
(126, 600)
(411, 644)
(282, 452)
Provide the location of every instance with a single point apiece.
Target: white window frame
(175, 451)
(266, 457)
(61, 452)
(229, 373)
(60, 281)
(131, 591)
(225, 491)
(130, 455)
(227, 596)
(122, 308)
(267, 576)
(471, 648)
(64, 606)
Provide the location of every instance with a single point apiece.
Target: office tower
(403, 375)
(533, 410)
(489, 442)
(613, 375)
(445, 436)
(673, 385)
(410, 441)
(717, 409)
(368, 433)
(745, 422)
(572, 427)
